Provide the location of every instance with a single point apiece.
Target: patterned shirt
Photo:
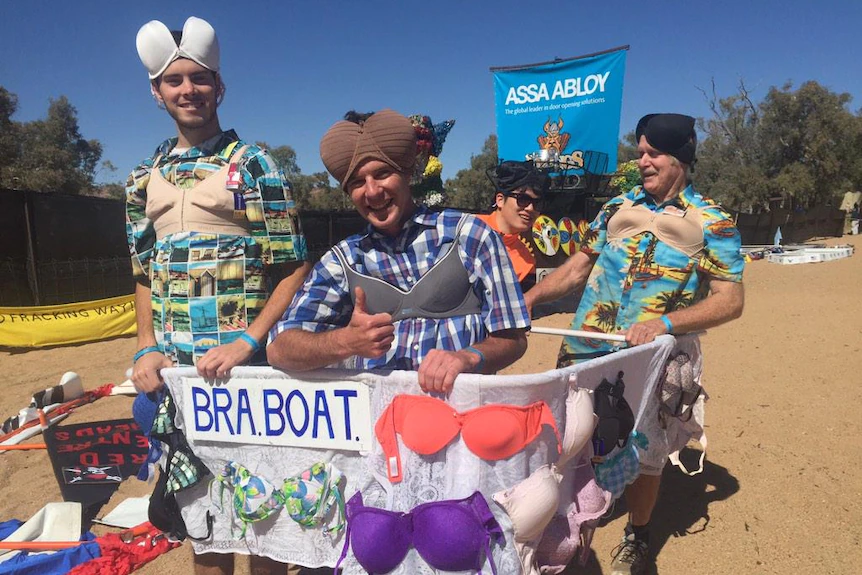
(641, 278)
(208, 288)
(324, 302)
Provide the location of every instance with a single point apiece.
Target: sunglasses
(524, 200)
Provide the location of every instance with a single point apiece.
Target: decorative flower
(434, 199)
(434, 167)
(426, 178)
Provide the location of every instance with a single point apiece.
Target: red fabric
(120, 558)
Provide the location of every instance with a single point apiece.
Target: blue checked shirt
(323, 303)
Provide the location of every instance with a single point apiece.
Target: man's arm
(566, 279)
(724, 303)
(366, 335)
(500, 349)
(145, 372)
(218, 361)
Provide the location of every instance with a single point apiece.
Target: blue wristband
(667, 323)
(142, 352)
(255, 345)
(481, 355)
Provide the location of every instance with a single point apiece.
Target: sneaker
(630, 557)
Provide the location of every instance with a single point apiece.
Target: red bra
(427, 425)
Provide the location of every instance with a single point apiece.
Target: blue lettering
(346, 394)
(222, 392)
(244, 408)
(321, 408)
(270, 410)
(201, 409)
(301, 431)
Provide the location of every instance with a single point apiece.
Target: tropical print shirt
(324, 303)
(208, 288)
(641, 278)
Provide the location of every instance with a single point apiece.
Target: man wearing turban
(659, 259)
(431, 291)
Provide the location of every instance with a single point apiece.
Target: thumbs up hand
(369, 335)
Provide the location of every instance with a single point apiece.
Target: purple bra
(452, 535)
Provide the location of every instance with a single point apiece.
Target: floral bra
(308, 498)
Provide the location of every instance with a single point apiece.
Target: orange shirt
(522, 259)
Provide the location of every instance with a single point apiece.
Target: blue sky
(293, 68)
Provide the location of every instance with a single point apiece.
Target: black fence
(58, 248)
(796, 226)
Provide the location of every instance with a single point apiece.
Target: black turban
(671, 134)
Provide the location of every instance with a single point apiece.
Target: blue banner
(562, 109)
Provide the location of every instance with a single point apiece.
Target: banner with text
(68, 323)
(563, 108)
(323, 415)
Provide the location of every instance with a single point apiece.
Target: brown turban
(386, 136)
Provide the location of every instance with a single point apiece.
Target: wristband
(481, 355)
(142, 352)
(251, 341)
(667, 323)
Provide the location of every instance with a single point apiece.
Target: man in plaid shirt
(435, 314)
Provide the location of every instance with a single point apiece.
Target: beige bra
(683, 232)
(207, 207)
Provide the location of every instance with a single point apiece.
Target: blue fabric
(54, 563)
(8, 527)
(323, 303)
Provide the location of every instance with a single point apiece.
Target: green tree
(315, 192)
(799, 146)
(52, 155)
(471, 189)
(627, 149)
(8, 135)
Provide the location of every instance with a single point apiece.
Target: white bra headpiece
(157, 48)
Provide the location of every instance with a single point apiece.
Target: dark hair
(357, 117)
(178, 37)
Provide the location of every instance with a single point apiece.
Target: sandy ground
(780, 492)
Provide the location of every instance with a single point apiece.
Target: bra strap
(547, 418)
(347, 534)
(489, 522)
(385, 431)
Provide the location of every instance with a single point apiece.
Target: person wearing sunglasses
(520, 190)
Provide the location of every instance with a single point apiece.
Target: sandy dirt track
(781, 491)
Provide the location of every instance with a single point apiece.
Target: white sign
(321, 415)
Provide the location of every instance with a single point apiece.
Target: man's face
(381, 195)
(517, 211)
(662, 175)
(189, 92)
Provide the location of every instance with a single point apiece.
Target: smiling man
(418, 290)
(216, 246)
(520, 190)
(659, 259)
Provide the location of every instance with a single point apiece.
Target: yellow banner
(69, 323)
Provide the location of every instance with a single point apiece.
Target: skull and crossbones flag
(90, 460)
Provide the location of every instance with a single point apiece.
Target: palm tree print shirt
(640, 278)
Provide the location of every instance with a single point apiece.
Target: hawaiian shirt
(641, 278)
(208, 288)
(324, 302)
